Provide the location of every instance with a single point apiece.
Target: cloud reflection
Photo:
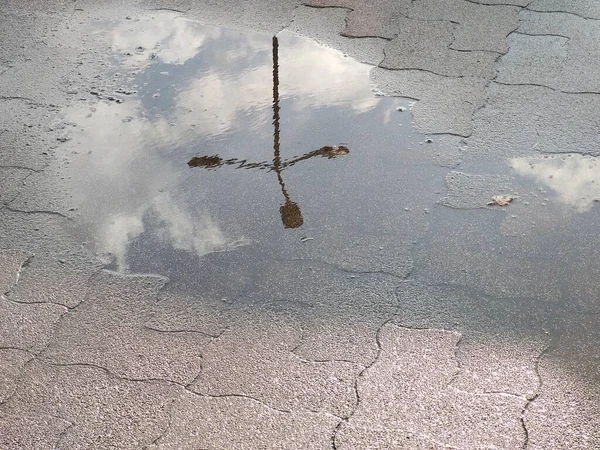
(178, 228)
(134, 152)
(312, 75)
(574, 178)
(171, 38)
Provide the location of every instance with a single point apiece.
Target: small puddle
(575, 179)
(206, 139)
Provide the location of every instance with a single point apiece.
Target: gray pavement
(437, 322)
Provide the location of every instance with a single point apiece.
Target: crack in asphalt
(478, 3)
(158, 330)
(5, 166)
(531, 397)
(542, 34)
(292, 20)
(22, 266)
(180, 11)
(347, 8)
(560, 12)
(185, 387)
(17, 97)
(554, 338)
(195, 380)
(19, 376)
(496, 64)
(36, 211)
(476, 292)
(64, 433)
(18, 302)
(325, 361)
(345, 420)
(168, 427)
(456, 360)
(344, 33)
(49, 362)
(61, 434)
(425, 70)
(548, 87)
(19, 349)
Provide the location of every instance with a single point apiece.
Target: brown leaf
(500, 200)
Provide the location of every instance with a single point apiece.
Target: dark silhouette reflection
(291, 216)
(205, 161)
(212, 162)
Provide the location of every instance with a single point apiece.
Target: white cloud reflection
(129, 165)
(173, 39)
(574, 178)
(313, 75)
(179, 229)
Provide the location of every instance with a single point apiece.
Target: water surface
(209, 139)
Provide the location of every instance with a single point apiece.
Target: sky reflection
(195, 91)
(574, 178)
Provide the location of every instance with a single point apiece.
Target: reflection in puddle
(575, 178)
(193, 96)
(291, 216)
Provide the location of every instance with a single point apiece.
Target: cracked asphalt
(417, 317)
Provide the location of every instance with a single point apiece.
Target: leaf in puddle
(500, 200)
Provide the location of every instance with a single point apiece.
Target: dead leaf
(500, 200)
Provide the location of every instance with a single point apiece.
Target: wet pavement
(271, 225)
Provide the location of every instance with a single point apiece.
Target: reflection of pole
(290, 211)
(276, 141)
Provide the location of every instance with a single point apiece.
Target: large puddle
(207, 139)
(203, 141)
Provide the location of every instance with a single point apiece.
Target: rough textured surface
(25, 327)
(28, 327)
(494, 126)
(566, 412)
(548, 45)
(268, 370)
(11, 181)
(367, 19)
(399, 401)
(11, 363)
(108, 330)
(55, 278)
(338, 312)
(18, 432)
(515, 241)
(445, 105)
(11, 262)
(243, 423)
(426, 46)
(59, 271)
(476, 26)
(132, 415)
(325, 25)
(586, 8)
(489, 360)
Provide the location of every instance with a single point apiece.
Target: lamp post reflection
(291, 216)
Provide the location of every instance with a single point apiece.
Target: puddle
(220, 158)
(244, 149)
(575, 179)
(208, 139)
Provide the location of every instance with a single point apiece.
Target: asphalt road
(353, 289)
